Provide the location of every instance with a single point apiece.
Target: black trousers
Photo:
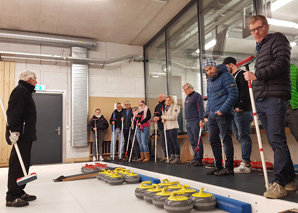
(15, 170)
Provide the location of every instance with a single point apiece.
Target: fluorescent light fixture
(278, 4)
(282, 23)
(210, 44)
(197, 51)
(155, 76)
(293, 44)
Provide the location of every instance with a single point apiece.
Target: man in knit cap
(222, 94)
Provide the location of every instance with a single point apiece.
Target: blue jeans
(113, 143)
(241, 127)
(172, 140)
(193, 130)
(220, 126)
(272, 112)
(142, 137)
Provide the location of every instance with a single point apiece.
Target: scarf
(140, 109)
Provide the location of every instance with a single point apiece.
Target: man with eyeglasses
(194, 116)
(272, 90)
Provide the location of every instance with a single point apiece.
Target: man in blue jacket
(194, 116)
(222, 94)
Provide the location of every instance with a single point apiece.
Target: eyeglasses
(257, 28)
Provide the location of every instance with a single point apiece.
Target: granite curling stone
(160, 197)
(203, 201)
(115, 179)
(174, 186)
(178, 204)
(149, 194)
(139, 192)
(164, 183)
(132, 178)
(186, 189)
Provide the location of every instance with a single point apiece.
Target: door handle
(58, 130)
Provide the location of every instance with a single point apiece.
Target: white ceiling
(132, 22)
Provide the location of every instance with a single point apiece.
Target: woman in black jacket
(97, 123)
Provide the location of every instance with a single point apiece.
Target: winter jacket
(273, 68)
(294, 83)
(101, 123)
(116, 116)
(243, 101)
(127, 118)
(194, 108)
(170, 117)
(222, 93)
(21, 112)
(158, 113)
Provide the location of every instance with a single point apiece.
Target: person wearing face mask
(142, 118)
(116, 121)
(222, 94)
(97, 123)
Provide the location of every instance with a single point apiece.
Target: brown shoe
(147, 157)
(142, 157)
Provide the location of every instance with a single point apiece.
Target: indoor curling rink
(93, 195)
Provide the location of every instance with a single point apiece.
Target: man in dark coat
(21, 129)
(272, 90)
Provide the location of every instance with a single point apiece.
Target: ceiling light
(282, 23)
(210, 44)
(155, 76)
(293, 44)
(278, 4)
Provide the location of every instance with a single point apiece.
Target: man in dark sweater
(194, 116)
(21, 129)
(272, 90)
(242, 115)
(116, 121)
(126, 118)
(157, 118)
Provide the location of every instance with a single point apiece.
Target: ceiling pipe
(46, 57)
(46, 39)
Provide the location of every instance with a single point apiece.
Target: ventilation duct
(46, 39)
(46, 57)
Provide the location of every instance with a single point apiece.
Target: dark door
(48, 147)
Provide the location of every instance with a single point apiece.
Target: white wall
(121, 79)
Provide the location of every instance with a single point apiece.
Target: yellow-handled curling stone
(132, 178)
(164, 183)
(160, 197)
(174, 186)
(139, 192)
(178, 204)
(115, 179)
(186, 189)
(149, 194)
(100, 174)
(203, 201)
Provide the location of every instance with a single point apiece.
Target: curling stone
(149, 194)
(203, 201)
(164, 183)
(160, 197)
(178, 204)
(132, 178)
(89, 168)
(100, 174)
(139, 192)
(115, 179)
(107, 175)
(187, 191)
(174, 186)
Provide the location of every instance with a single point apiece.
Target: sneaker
(210, 166)
(290, 186)
(94, 158)
(194, 163)
(242, 169)
(212, 171)
(18, 202)
(275, 191)
(27, 197)
(101, 158)
(224, 172)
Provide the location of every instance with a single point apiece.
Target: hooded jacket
(101, 123)
(222, 92)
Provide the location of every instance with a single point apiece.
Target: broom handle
(258, 134)
(15, 144)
